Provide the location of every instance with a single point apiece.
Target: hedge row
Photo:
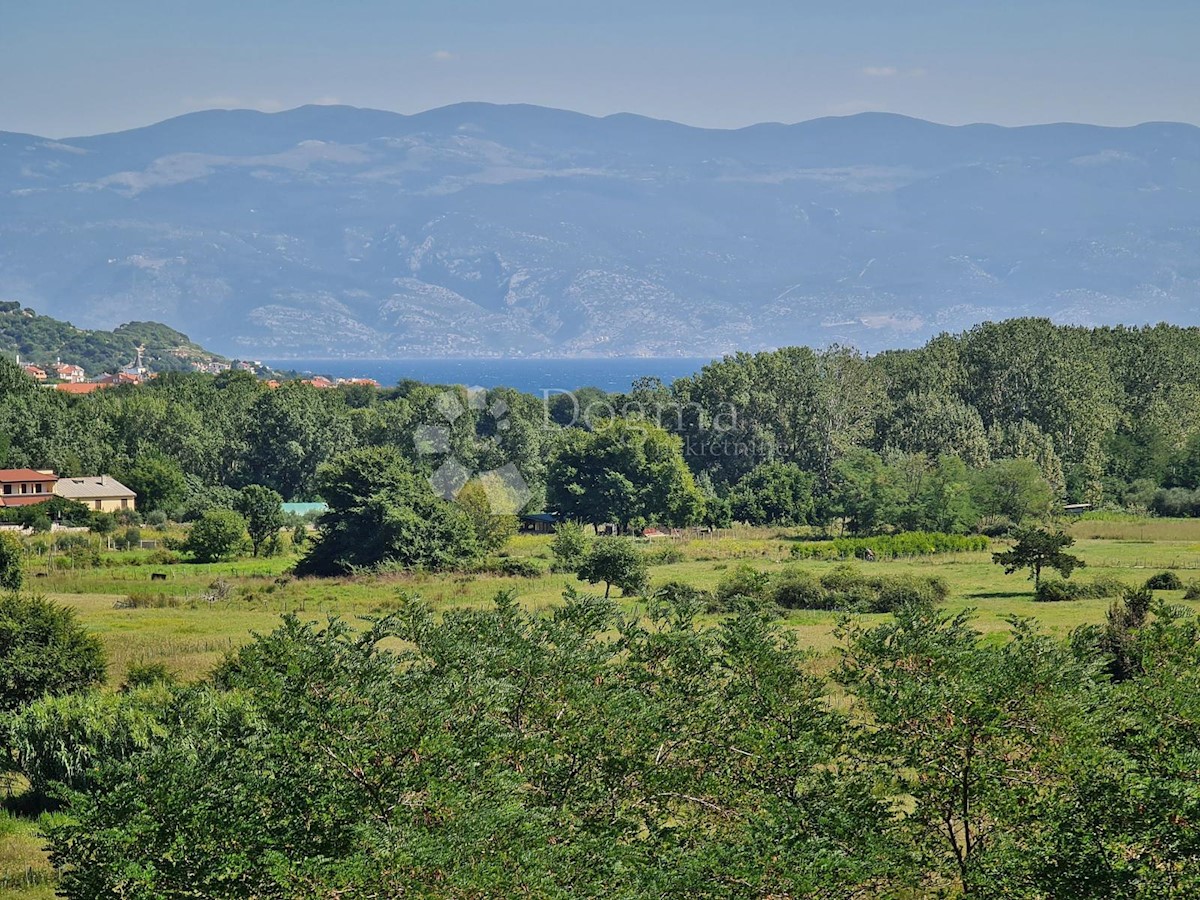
(891, 546)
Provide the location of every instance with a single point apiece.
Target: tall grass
(891, 546)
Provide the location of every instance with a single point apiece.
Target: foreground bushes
(505, 754)
(892, 546)
(58, 740)
(581, 753)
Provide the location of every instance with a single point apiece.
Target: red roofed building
(69, 373)
(34, 371)
(21, 487)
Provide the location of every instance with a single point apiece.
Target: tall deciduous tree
(158, 482)
(263, 510)
(383, 513)
(623, 472)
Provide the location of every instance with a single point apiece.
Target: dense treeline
(989, 427)
(581, 752)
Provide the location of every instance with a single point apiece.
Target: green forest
(781, 643)
(974, 430)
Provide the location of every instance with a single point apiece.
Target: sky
(75, 67)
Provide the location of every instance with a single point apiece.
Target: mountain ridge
(483, 229)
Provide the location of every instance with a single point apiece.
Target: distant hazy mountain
(478, 229)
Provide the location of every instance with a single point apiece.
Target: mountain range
(477, 229)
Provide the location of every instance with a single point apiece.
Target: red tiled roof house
(21, 487)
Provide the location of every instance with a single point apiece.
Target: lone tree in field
(615, 561)
(217, 535)
(1038, 549)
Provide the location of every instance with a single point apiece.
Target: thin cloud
(442, 56)
(892, 72)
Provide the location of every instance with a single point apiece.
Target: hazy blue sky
(81, 66)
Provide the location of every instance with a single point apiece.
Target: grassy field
(188, 624)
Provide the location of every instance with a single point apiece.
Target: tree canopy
(629, 473)
(382, 513)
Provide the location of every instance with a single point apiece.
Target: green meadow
(184, 622)
(190, 619)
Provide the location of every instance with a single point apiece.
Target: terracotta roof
(15, 475)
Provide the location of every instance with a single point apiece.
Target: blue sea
(532, 376)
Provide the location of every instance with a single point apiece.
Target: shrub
(149, 600)
(12, 565)
(129, 539)
(569, 546)
(59, 739)
(842, 578)
(895, 591)
(1193, 591)
(44, 650)
(1053, 590)
(797, 589)
(682, 596)
(743, 581)
(1164, 581)
(218, 534)
(894, 546)
(519, 567)
(143, 674)
(664, 555)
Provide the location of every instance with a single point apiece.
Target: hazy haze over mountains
(479, 229)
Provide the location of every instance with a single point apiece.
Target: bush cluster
(1054, 590)
(891, 546)
(1164, 581)
(845, 588)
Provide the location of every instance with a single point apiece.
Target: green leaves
(44, 651)
(381, 514)
(1037, 549)
(218, 534)
(628, 473)
(494, 753)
